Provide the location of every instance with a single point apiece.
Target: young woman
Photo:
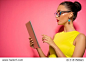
(68, 43)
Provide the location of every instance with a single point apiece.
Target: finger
(32, 44)
(29, 38)
(44, 35)
(32, 41)
(44, 38)
(44, 41)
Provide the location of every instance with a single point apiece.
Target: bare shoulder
(81, 38)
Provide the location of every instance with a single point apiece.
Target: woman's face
(63, 18)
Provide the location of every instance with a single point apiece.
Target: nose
(56, 17)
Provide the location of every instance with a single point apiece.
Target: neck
(69, 27)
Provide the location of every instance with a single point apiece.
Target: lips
(57, 20)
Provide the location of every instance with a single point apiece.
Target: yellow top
(64, 40)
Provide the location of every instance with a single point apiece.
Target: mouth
(57, 20)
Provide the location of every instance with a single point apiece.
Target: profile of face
(63, 14)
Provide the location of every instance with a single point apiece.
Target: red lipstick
(57, 20)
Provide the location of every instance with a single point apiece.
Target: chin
(60, 24)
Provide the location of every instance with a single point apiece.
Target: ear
(70, 14)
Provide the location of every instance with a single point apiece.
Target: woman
(68, 43)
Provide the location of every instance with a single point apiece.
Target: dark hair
(72, 6)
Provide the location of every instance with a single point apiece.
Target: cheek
(64, 18)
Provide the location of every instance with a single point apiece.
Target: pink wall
(14, 14)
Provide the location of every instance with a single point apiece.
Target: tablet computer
(32, 34)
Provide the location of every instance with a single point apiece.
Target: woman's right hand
(31, 42)
(40, 52)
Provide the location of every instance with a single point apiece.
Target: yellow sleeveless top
(64, 40)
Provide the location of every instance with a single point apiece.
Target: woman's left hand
(48, 40)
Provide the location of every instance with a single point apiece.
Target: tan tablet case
(32, 34)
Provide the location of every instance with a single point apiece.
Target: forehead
(62, 8)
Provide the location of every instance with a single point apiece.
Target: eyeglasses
(60, 12)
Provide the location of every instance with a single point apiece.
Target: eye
(58, 10)
(60, 13)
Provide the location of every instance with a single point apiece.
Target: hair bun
(77, 6)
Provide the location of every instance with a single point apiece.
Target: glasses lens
(56, 13)
(60, 13)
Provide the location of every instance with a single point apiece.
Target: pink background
(14, 14)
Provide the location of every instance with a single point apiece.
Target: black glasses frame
(61, 12)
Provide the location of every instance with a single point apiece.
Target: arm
(40, 52)
(49, 40)
(48, 54)
(80, 46)
(58, 51)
